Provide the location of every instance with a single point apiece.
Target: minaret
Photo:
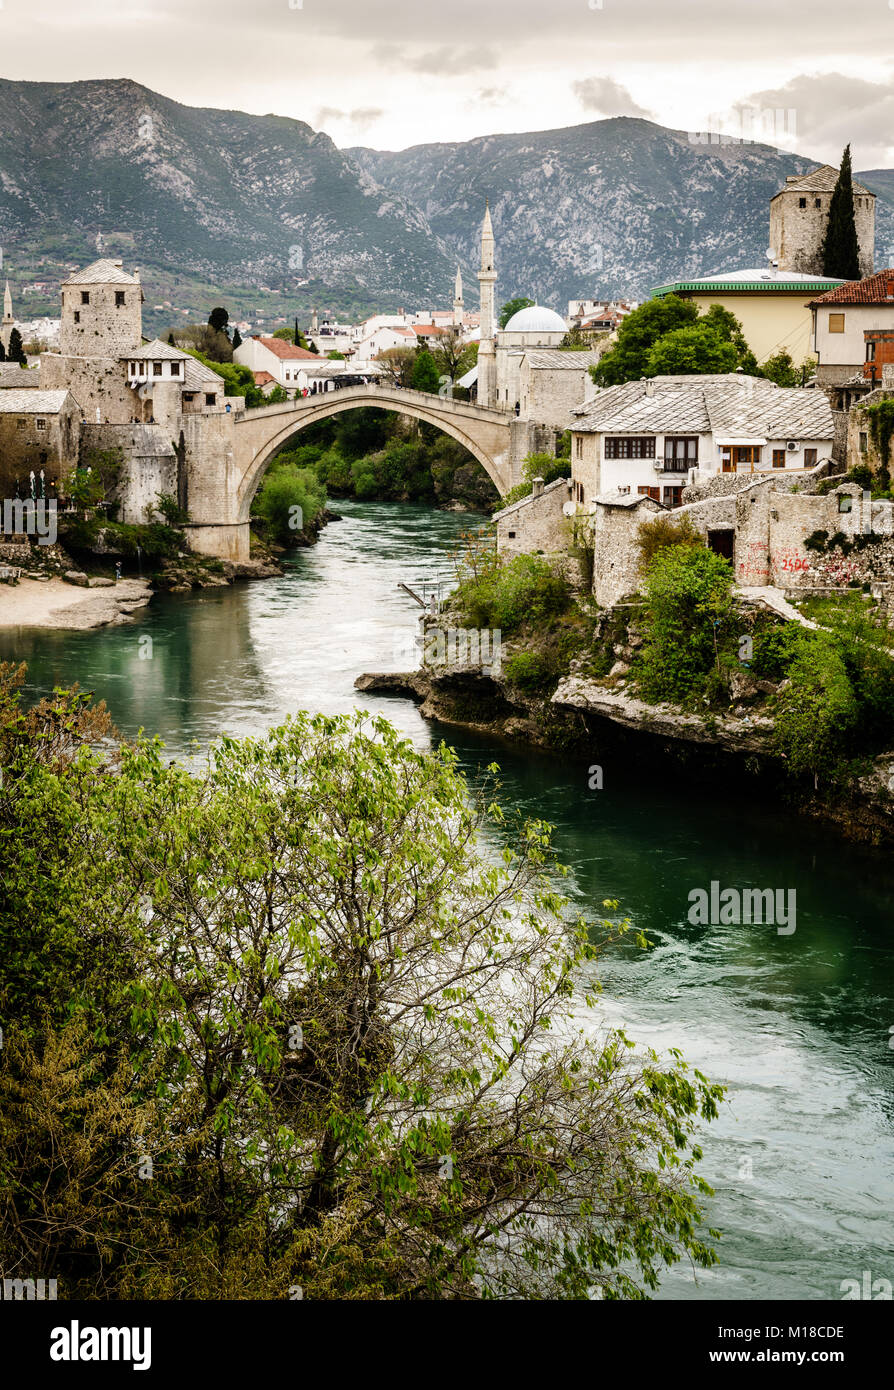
(487, 279)
(8, 323)
(458, 307)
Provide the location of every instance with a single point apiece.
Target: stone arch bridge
(225, 455)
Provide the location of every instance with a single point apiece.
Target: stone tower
(458, 307)
(799, 215)
(102, 312)
(487, 279)
(8, 323)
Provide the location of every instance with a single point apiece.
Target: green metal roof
(814, 285)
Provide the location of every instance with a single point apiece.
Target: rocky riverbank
(587, 719)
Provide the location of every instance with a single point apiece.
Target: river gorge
(797, 1025)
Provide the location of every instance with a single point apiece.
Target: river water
(797, 1026)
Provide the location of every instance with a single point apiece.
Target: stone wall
(536, 523)
(97, 383)
(550, 395)
(104, 329)
(150, 466)
(861, 451)
(616, 558)
(54, 449)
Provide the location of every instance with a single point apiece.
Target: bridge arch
(262, 433)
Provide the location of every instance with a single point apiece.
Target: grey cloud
(362, 117)
(830, 110)
(608, 97)
(445, 61)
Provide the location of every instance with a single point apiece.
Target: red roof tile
(875, 289)
(287, 351)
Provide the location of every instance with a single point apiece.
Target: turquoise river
(797, 1026)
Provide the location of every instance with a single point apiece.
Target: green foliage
(237, 379)
(880, 417)
(661, 532)
(289, 500)
(170, 511)
(506, 594)
(512, 307)
(218, 320)
(841, 248)
(530, 670)
(818, 710)
(16, 350)
(425, 375)
(781, 369)
(774, 651)
(260, 978)
(691, 351)
(688, 619)
(545, 466)
(638, 334)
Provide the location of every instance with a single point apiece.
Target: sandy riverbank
(55, 604)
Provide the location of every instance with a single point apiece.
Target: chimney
(537, 488)
(650, 386)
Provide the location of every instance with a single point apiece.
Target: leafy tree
(660, 533)
(397, 365)
(218, 320)
(238, 380)
(202, 338)
(289, 500)
(691, 351)
(347, 1035)
(453, 357)
(425, 373)
(781, 369)
(688, 618)
(638, 334)
(16, 351)
(817, 710)
(336, 356)
(725, 324)
(841, 248)
(512, 307)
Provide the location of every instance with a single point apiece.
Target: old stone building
(799, 216)
(102, 312)
(655, 436)
(38, 430)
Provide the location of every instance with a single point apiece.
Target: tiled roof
(263, 378)
(553, 358)
(875, 289)
(287, 352)
(198, 377)
(32, 402)
(821, 180)
(101, 273)
(707, 404)
(427, 329)
(156, 351)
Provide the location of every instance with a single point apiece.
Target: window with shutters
(630, 446)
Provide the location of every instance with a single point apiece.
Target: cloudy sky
(806, 75)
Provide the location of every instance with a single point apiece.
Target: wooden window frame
(836, 323)
(629, 446)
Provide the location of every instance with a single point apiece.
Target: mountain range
(268, 216)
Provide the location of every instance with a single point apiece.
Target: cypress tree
(16, 351)
(237, 339)
(2, 351)
(841, 250)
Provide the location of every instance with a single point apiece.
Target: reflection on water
(797, 1026)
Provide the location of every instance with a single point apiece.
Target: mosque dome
(537, 319)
